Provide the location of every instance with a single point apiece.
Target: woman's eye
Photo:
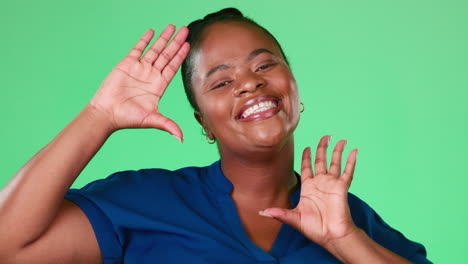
(265, 66)
(221, 84)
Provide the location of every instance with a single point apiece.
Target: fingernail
(329, 138)
(179, 138)
(262, 213)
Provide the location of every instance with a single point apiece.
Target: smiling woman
(248, 207)
(246, 69)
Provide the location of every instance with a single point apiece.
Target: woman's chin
(270, 138)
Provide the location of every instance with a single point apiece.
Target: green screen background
(391, 77)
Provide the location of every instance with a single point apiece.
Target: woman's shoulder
(153, 181)
(366, 218)
(362, 213)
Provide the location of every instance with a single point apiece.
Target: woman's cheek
(217, 111)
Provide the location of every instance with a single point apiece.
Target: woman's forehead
(226, 41)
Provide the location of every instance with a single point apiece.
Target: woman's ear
(199, 118)
(201, 121)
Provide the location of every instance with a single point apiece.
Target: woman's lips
(260, 108)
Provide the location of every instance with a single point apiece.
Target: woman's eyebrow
(215, 69)
(257, 52)
(252, 55)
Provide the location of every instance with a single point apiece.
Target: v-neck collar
(223, 187)
(220, 184)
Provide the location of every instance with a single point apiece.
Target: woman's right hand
(130, 94)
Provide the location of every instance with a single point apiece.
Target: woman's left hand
(322, 214)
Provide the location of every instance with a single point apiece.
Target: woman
(246, 99)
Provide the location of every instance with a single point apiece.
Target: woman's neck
(265, 178)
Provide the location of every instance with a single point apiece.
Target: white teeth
(260, 107)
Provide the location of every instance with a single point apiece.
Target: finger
(171, 69)
(168, 53)
(161, 122)
(153, 52)
(138, 49)
(335, 166)
(321, 156)
(289, 217)
(350, 166)
(306, 165)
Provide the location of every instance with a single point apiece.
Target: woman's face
(246, 93)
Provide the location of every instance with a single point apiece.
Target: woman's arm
(32, 199)
(37, 225)
(358, 247)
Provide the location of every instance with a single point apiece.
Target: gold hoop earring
(302, 107)
(209, 140)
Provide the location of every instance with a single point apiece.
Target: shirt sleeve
(95, 200)
(376, 228)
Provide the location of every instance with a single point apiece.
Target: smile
(259, 108)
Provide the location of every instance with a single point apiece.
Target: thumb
(161, 122)
(290, 217)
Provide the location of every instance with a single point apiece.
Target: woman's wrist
(99, 119)
(337, 245)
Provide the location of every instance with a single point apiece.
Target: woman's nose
(249, 82)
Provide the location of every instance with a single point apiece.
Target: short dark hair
(196, 29)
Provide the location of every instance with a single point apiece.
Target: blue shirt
(188, 216)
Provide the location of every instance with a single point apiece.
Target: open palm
(131, 93)
(322, 213)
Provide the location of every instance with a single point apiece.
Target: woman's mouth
(260, 108)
